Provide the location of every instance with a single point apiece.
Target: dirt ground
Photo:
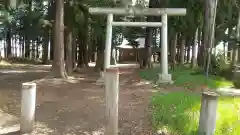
(75, 106)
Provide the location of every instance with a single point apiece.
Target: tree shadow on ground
(12, 79)
(13, 133)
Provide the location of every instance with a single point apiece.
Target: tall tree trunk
(209, 33)
(100, 60)
(206, 28)
(238, 55)
(22, 46)
(224, 51)
(83, 45)
(74, 48)
(234, 55)
(230, 44)
(100, 54)
(189, 54)
(199, 37)
(235, 47)
(85, 55)
(58, 67)
(65, 46)
(86, 40)
(90, 46)
(12, 4)
(148, 48)
(230, 29)
(173, 49)
(27, 47)
(200, 43)
(189, 45)
(28, 31)
(33, 45)
(149, 36)
(194, 50)
(52, 16)
(9, 43)
(182, 50)
(5, 49)
(37, 47)
(201, 50)
(80, 63)
(45, 48)
(52, 45)
(15, 54)
(69, 53)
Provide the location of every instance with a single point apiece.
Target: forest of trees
(67, 30)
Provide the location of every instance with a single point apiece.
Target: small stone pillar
(208, 113)
(112, 92)
(28, 104)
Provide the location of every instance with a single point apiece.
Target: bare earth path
(75, 106)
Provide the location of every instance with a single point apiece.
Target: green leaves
(192, 20)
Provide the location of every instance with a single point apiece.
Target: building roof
(125, 43)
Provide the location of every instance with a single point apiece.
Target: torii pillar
(164, 76)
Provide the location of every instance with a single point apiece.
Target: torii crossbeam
(163, 12)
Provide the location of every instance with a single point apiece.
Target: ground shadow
(13, 133)
(14, 80)
(77, 106)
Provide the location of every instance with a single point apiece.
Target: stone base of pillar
(165, 78)
(100, 80)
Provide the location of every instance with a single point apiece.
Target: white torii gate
(164, 12)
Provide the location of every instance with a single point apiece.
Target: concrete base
(165, 78)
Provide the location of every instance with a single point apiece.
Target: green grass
(183, 76)
(178, 113)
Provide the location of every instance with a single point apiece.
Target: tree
(58, 61)
(149, 38)
(209, 30)
(237, 37)
(34, 15)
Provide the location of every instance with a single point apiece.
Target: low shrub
(219, 67)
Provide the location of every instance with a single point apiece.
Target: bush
(219, 67)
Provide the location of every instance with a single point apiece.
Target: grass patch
(189, 78)
(178, 113)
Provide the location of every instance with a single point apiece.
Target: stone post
(112, 92)
(28, 104)
(208, 114)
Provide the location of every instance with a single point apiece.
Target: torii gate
(164, 12)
